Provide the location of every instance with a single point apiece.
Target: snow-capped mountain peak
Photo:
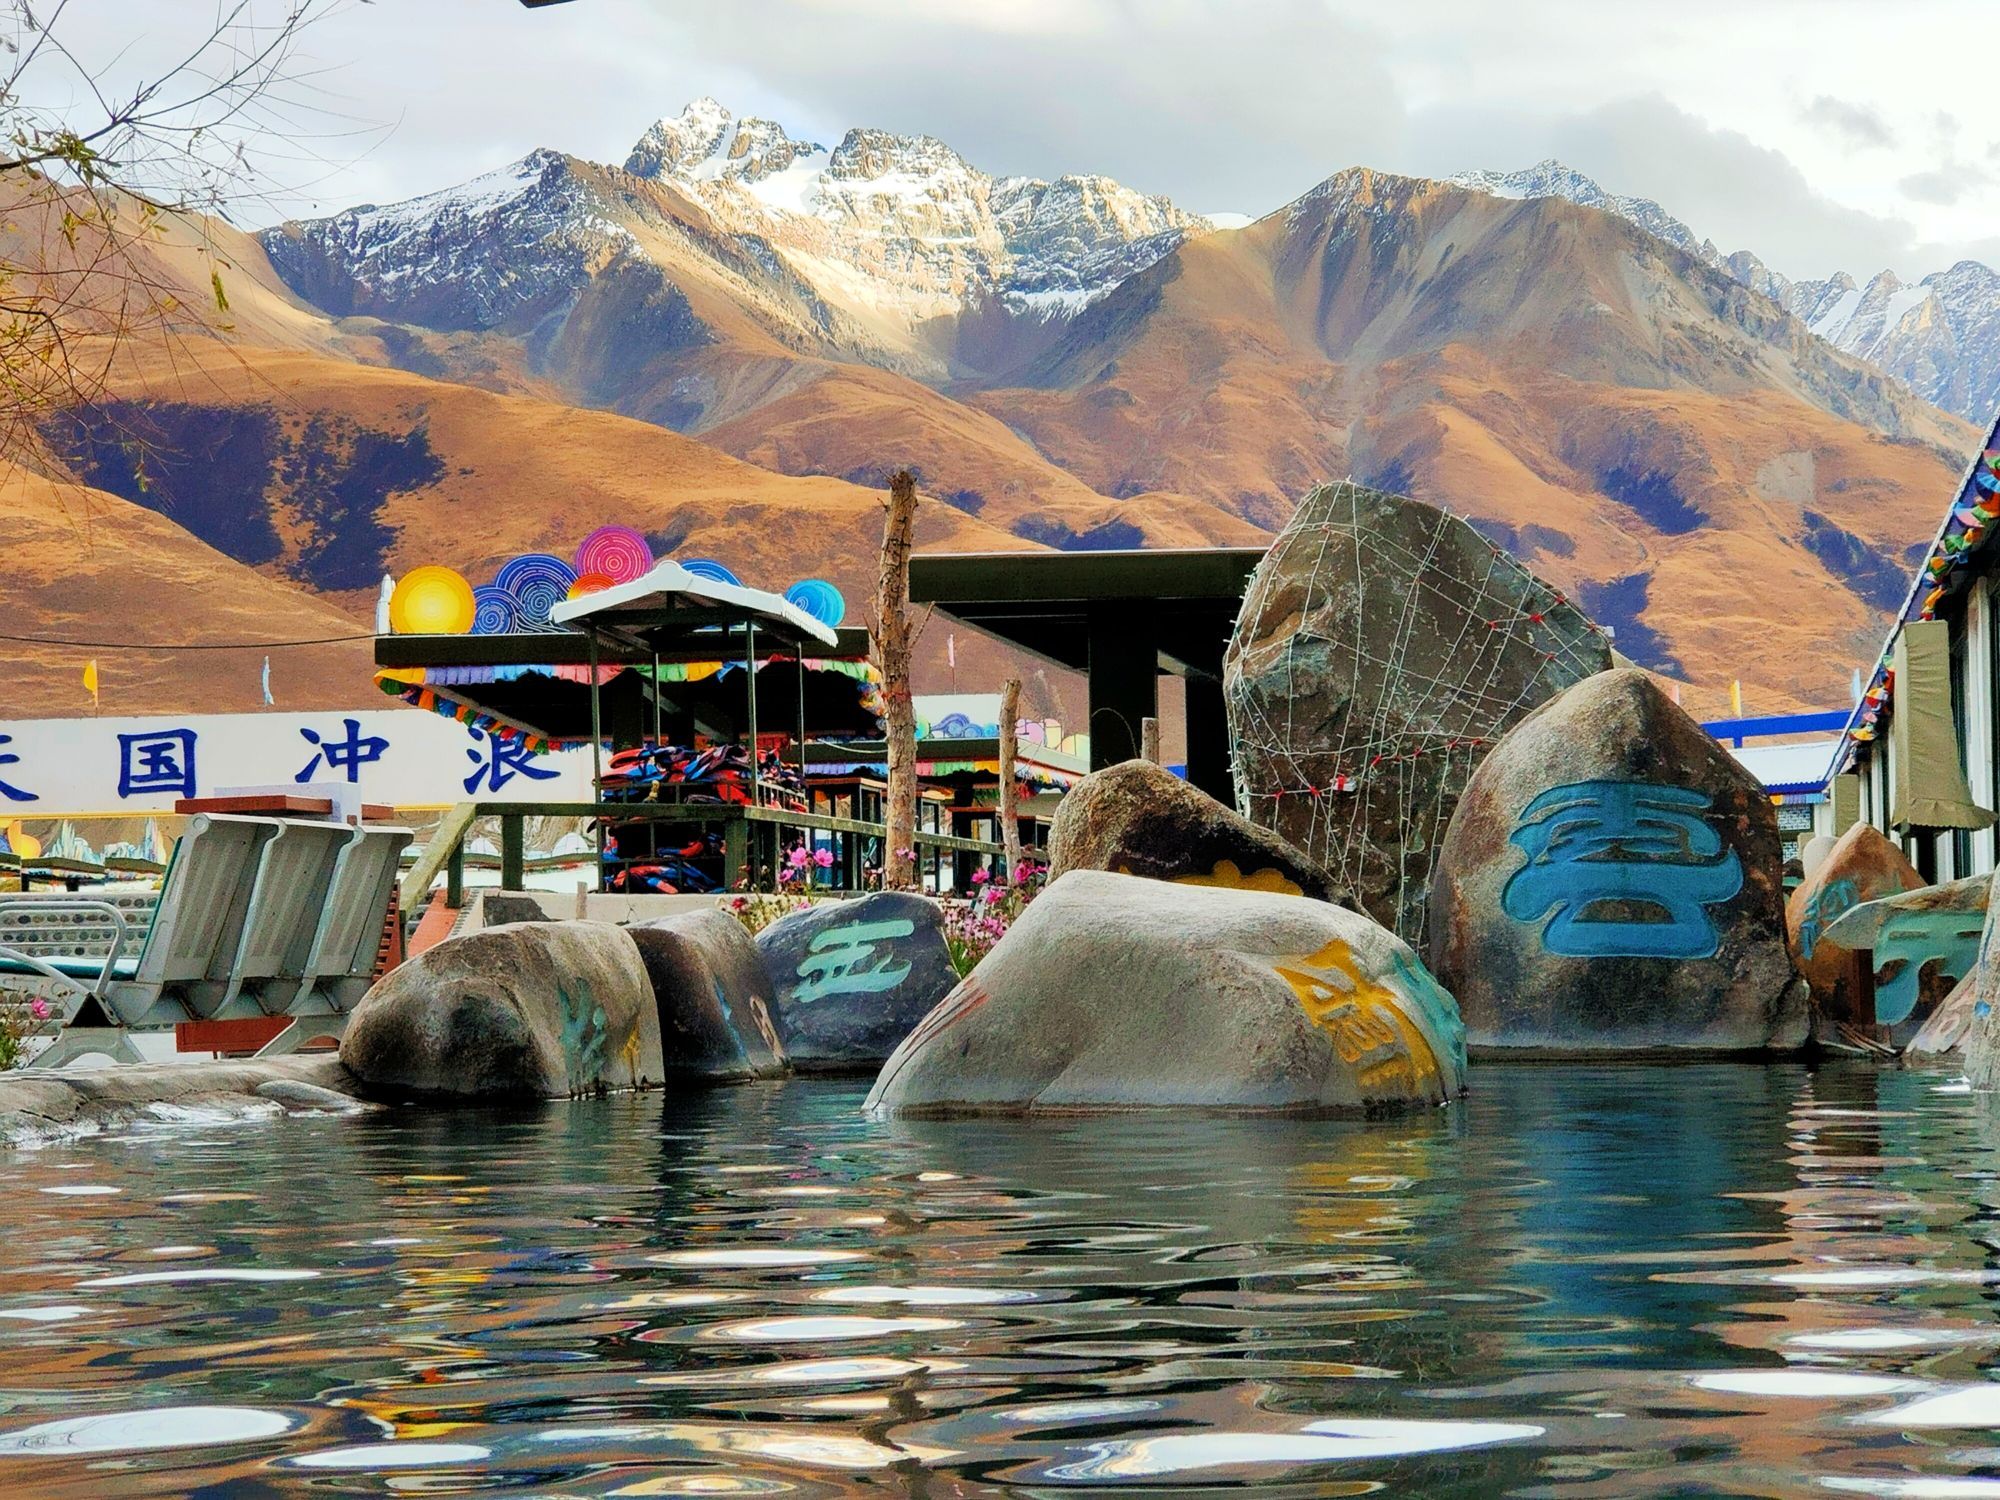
(927, 227)
(1552, 179)
(706, 143)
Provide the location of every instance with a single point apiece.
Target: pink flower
(823, 858)
(796, 860)
(980, 877)
(39, 1009)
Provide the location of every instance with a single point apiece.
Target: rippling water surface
(1581, 1282)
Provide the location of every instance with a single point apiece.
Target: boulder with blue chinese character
(1981, 1037)
(1860, 866)
(1612, 882)
(526, 1010)
(1116, 992)
(1918, 945)
(714, 997)
(853, 978)
(1139, 818)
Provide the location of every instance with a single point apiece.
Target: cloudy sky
(1822, 134)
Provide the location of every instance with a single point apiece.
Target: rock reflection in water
(1583, 1282)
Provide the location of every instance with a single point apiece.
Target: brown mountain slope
(1634, 425)
(321, 475)
(330, 473)
(84, 565)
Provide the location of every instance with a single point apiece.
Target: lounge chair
(339, 964)
(204, 898)
(256, 916)
(288, 896)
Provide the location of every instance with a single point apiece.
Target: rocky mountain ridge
(1939, 335)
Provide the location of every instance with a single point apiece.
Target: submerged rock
(1137, 818)
(1383, 645)
(1116, 992)
(529, 1010)
(38, 1105)
(713, 994)
(1859, 866)
(853, 978)
(1610, 882)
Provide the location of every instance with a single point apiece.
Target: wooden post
(513, 850)
(889, 643)
(1149, 740)
(1010, 786)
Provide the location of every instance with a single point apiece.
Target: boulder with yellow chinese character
(1117, 992)
(1611, 882)
(714, 996)
(526, 1010)
(1138, 818)
(851, 979)
(1860, 866)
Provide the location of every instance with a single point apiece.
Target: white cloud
(1803, 132)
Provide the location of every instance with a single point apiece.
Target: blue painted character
(503, 761)
(159, 760)
(346, 756)
(842, 961)
(1826, 906)
(1911, 939)
(1620, 848)
(9, 758)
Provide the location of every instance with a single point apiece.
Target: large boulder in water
(853, 978)
(1611, 882)
(714, 996)
(528, 1010)
(1138, 818)
(1116, 992)
(1859, 866)
(1383, 646)
(1920, 943)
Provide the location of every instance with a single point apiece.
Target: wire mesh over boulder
(1383, 646)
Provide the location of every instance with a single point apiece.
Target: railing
(751, 841)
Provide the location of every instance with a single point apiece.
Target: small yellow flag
(90, 680)
(1736, 700)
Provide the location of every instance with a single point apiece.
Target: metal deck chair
(204, 898)
(339, 966)
(287, 901)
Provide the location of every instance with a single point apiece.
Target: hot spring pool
(1712, 1280)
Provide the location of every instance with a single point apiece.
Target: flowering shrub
(757, 910)
(974, 925)
(18, 1022)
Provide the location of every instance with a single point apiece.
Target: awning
(669, 594)
(1930, 789)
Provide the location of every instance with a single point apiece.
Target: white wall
(407, 757)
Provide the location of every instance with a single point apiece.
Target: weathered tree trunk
(1010, 787)
(890, 646)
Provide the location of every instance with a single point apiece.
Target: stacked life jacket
(718, 774)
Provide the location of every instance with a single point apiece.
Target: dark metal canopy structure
(560, 707)
(1122, 618)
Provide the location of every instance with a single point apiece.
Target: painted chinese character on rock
(1621, 869)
